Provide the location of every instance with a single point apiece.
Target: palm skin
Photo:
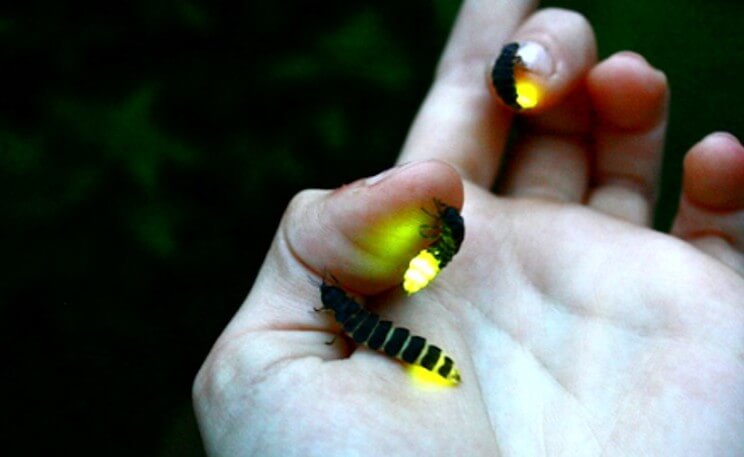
(576, 334)
(595, 336)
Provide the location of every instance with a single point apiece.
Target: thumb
(363, 233)
(366, 232)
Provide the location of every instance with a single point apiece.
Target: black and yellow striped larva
(448, 233)
(366, 327)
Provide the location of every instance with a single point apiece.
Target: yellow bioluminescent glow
(388, 240)
(422, 269)
(528, 93)
(425, 379)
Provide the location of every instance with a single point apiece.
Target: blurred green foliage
(148, 149)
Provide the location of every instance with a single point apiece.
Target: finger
(458, 121)
(544, 61)
(550, 157)
(711, 210)
(548, 167)
(362, 233)
(377, 220)
(630, 99)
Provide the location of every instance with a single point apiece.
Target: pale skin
(577, 329)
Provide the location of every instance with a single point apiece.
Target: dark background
(141, 142)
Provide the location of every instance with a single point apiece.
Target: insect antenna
(429, 231)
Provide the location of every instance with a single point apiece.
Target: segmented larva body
(452, 232)
(365, 327)
(449, 232)
(502, 75)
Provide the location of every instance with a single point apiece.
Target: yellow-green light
(389, 241)
(422, 269)
(528, 93)
(424, 378)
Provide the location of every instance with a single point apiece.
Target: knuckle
(298, 206)
(299, 199)
(214, 376)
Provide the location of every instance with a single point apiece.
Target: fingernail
(725, 136)
(372, 180)
(534, 58)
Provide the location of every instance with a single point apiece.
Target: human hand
(577, 329)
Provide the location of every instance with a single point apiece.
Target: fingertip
(547, 57)
(714, 172)
(627, 92)
(364, 233)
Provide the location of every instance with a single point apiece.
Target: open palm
(577, 329)
(591, 336)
